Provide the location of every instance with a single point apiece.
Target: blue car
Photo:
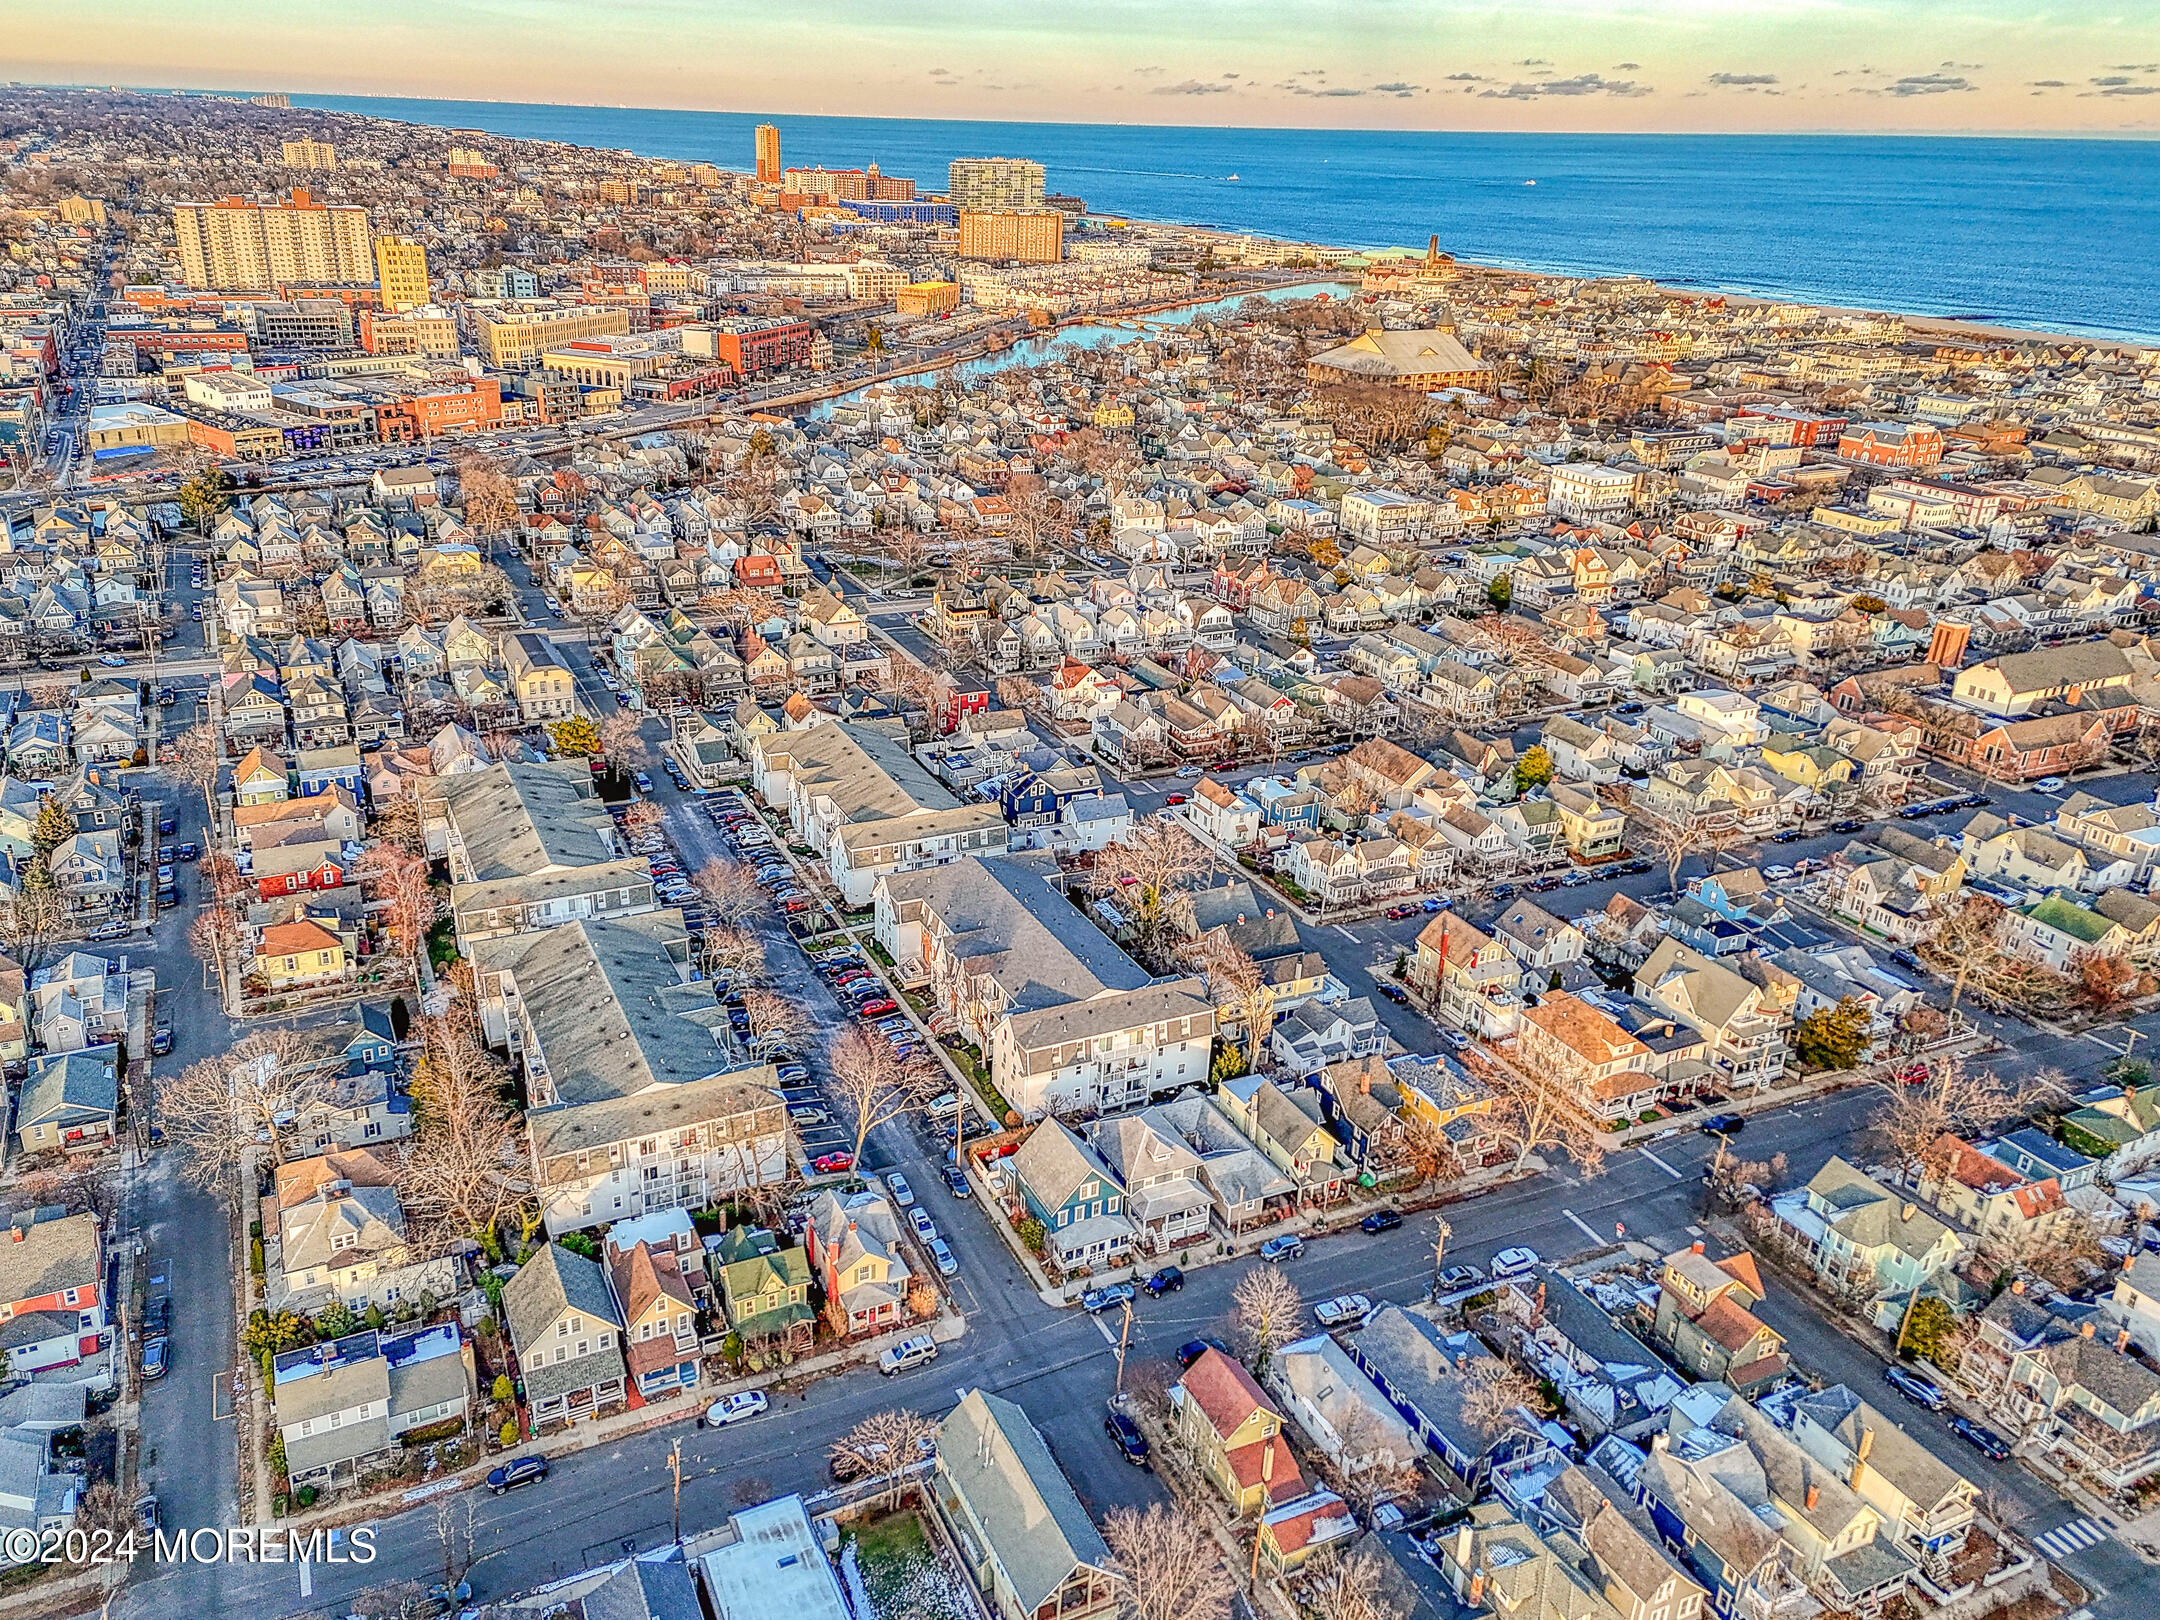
(1278, 1249)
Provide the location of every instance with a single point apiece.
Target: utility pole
(1124, 1338)
(1442, 1231)
(674, 1457)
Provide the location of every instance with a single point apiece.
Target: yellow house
(298, 953)
(260, 779)
(1235, 1434)
(542, 682)
(1810, 765)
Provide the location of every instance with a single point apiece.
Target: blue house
(1421, 1372)
(1030, 801)
(1066, 1185)
(1700, 928)
(2036, 1155)
(375, 1046)
(1285, 804)
(322, 768)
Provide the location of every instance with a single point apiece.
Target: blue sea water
(2052, 234)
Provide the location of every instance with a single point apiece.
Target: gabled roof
(992, 1456)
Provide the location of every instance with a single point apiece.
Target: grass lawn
(892, 1563)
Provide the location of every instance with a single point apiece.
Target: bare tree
(1351, 1584)
(883, 1447)
(1954, 1098)
(1147, 873)
(871, 1085)
(642, 816)
(1672, 838)
(218, 939)
(1264, 1310)
(1169, 1567)
(398, 881)
(730, 891)
(461, 1175)
(734, 956)
(195, 758)
(31, 920)
(1237, 985)
(219, 1109)
(622, 743)
(772, 1016)
(457, 1534)
(1496, 1395)
(1531, 1115)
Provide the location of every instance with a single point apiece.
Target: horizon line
(1812, 133)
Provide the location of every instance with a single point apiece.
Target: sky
(1587, 65)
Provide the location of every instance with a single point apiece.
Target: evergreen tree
(1834, 1037)
(53, 827)
(1501, 593)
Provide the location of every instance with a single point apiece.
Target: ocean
(2050, 234)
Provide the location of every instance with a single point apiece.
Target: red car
(1175, 798)
(1914, 1074)
(1397, 913)
(878, 1008)
(833, 1163)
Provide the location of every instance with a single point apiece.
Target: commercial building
(926, 298)
(134, 427)
(603, 362)
(1423, 360)
(430, 333)
(468, 163)
(310, 155)
(768, 153)
(234, 245)
(440, 408)
(401, 272)
(992, 184)
(751, 346)
(82, 211)
(518, 336)
(1032, 236)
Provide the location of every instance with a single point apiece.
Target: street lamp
(1442, 1231)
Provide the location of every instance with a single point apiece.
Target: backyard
(894, 1571)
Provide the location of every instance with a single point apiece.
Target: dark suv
(518, 1471)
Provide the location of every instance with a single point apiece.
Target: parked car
(518, 1471)
(1779, 874)
(1342, 1310)
(1287, 1247)
(1166, 1281)
(1981, 1438)
(733, 1408)
(790, 1072)
(1193, 1349)
(1723, 1125)
(832, 1164)
(1397, 913)
(161, 1037)
(924, 1229)
(1914, 1388)
(1459, 1277)
(1395, 993)
(1126, 1436)
(956, 1182)
(877, 1008)
(1106, 1298)
(2048, 784)
(1380, 1220)
(1513, 1263)
(154, 1358)
(902, 1193)
(909, 1352)
(808, 1114)
(1173, 798)
(942, 1257)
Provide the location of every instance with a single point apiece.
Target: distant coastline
(1929, 227)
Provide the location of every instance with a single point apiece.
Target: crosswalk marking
(1587, 1229)
(2065, 1539)
(1660, 1163)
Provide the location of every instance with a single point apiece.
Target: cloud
(2132, 90)
(2048, 84)
(1533, 61)
(1143, 72)
(1743, 79)
(1582, 84)
(1398, 88)
(2133, 67)
(2110, 82)
(1190, 87)
(1627, 67)
(1468, 78)
(1964, 67)
(1929, 84)
(941, 73)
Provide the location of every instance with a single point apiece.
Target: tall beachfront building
(994, 183)
(768, 153)
(310, 155)
(234, 245)
(401, 272)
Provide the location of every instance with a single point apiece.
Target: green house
(2128, 1120)
(765, 1288)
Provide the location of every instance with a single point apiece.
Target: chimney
(851, 1228)
(1364, 1085)
(2086, 1331)
(2018, 1287)
(16, 1234)
(1814, 1494)
(1695, 1247)
(1910, 1211)
(1661, 1441)
(1860, 1453)
(1476, 1594)
(2122, 1340)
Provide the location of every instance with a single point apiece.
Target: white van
(909, 1352)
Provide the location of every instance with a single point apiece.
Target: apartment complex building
(1030, 235)
(401, 272)
(234, 245)
(310, 155)
(768, 153)
(518, 334)
(994, 183)
(867, 806)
